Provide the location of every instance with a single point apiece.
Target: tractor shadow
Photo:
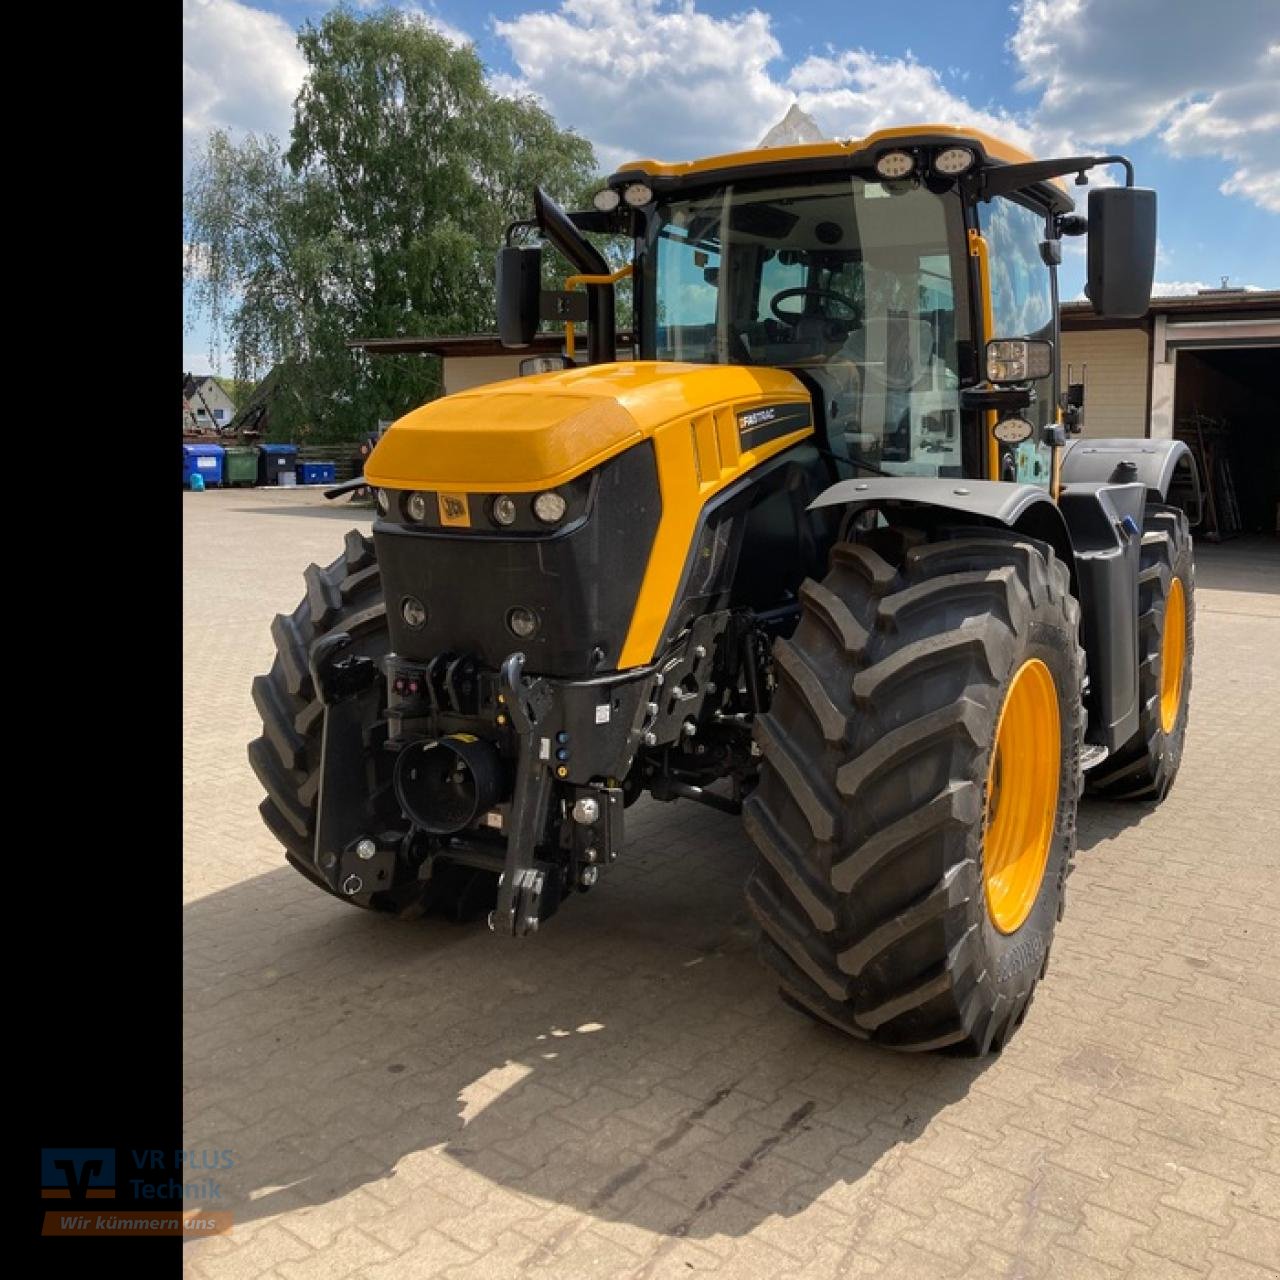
(631, 1062)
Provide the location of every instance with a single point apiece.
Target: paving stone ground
(623, 1095)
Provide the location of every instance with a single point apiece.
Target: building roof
(190, 381)
(469, 344)
(1217, 304)
(1209, 304)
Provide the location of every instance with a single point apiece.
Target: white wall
(1115, 400)
(463, 372)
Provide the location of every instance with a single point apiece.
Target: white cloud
(646, 77)
(1203, 78)
(431, 19)
(853, 93)
(654, 77)
(1184, 288)
(241, 70)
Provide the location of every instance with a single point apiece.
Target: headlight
(953, 161)
(637, 194)
(895, 164)
(522, 622)
(607, 200)
(414, 612)
(416, 507)
(504, 510)
(383, 499)
(1018, 359)
(549, 507)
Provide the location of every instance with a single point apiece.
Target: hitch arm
(347, 486)
(524, 881)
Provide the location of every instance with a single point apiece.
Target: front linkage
(441, 764)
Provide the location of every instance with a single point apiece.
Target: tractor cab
(894, 276)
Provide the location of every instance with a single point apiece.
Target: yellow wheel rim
(1022, 796)
(1173, 655)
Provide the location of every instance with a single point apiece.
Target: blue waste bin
(274, 460)
(316, 472)
(204, 460)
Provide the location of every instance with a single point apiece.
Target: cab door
(1024, 304)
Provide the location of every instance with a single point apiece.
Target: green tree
(381, 219)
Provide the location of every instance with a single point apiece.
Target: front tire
(345, 596)
(878, 883)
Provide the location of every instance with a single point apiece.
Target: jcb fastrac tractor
(826, 553)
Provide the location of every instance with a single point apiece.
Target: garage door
(1115, 364)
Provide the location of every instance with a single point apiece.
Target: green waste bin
(240, 465)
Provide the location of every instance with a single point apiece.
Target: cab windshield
(859, 285)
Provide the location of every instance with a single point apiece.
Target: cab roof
(815, 157)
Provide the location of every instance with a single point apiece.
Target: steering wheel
(793, 318)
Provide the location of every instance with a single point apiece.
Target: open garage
(1203, 369)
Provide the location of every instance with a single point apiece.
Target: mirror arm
(557, 227)
(1001, 399)
(1123, 160)
(1001, 179)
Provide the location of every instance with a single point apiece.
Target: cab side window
(1022, 304)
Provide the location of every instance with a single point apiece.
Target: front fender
(1025, 508)
(996, 500)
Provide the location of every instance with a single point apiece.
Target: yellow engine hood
(536, 432)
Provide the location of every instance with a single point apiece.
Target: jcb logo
(78, 1173)
(454, 510)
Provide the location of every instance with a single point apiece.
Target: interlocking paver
(612, 1098)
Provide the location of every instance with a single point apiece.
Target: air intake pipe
(557, 227)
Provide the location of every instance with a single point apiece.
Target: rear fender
(1163, 466)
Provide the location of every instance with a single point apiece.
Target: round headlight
(637, 194)
(953, 160)
(414, 612)
(895, 164)
(383, 499)
(549, 507)
(607, 200)
(416, 506)
(504, 510)
(522, 622)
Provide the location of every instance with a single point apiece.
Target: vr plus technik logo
(157, 1193)
(78, 1173)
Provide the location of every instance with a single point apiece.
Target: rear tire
(1145, 767)
(869, 818)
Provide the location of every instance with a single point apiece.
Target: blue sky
(1189, 90)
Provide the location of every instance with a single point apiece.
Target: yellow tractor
(829, 552)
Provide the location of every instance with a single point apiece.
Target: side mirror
(519, 283)
(1122, 251)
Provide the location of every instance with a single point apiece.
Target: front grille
(581, 583)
